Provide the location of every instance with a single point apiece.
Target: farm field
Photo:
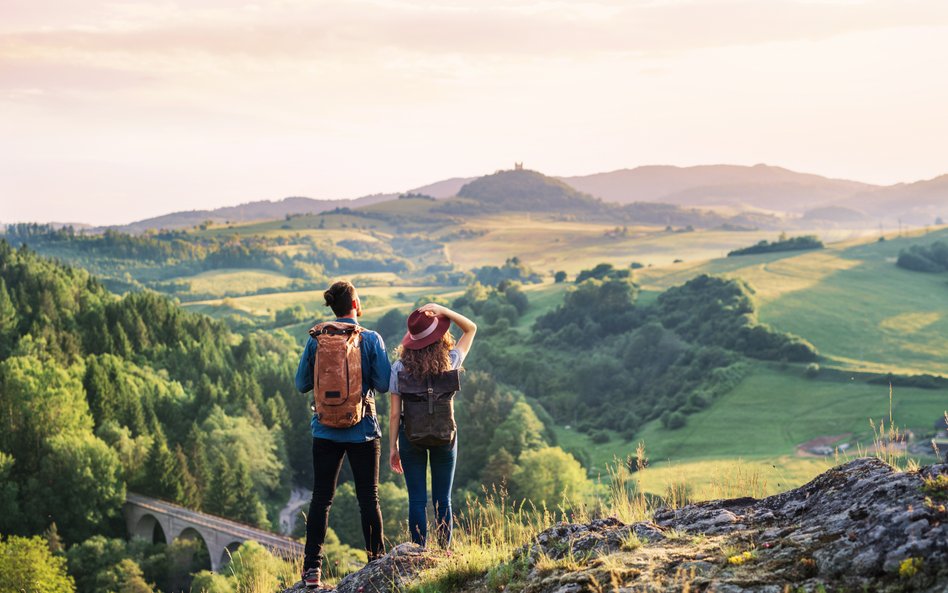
(222, 282)
(549, 244)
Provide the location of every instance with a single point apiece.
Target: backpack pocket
(430, 424)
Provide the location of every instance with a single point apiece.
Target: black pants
(327, 461)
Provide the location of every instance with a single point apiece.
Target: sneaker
(311, 578)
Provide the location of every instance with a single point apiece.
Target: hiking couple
(346, 365)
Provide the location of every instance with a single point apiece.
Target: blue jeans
(415, 463)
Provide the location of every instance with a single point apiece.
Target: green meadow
(850, 300)
(759, 425)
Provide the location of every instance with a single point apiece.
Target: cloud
(303, 31)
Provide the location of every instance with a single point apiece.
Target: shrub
(599, 436)
(26, 564)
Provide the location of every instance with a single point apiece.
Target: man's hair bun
(339, 297)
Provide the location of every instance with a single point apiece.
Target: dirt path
(299, 498)
(803, 449)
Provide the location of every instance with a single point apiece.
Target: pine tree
(163, 479)
(7, 321)
(221, 497)
(120, 344)
(247, 507)
(190, 492)
(100, 391)
(198, 461)
(53, 540)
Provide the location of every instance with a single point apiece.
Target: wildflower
(739, 559)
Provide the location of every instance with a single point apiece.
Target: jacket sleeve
(304, 373)
(381, 368)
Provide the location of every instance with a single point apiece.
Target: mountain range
(734, 188)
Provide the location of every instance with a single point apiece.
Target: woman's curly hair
(430, 360)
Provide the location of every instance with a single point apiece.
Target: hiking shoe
(311, 578)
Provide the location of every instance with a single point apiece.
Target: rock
(391, 572)
(859, 521)
(855, 527)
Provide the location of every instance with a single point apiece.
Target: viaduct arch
(221, 536)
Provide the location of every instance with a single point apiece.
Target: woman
(428, 353)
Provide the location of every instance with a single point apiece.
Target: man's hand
(395, 461)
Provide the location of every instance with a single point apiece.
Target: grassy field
(221, 282)
(762, 422)
(851, 301)
(548, 244)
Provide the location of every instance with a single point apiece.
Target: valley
(731, 372)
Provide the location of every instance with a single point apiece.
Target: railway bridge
(221, 536)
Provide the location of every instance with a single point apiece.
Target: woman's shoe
(311, 578)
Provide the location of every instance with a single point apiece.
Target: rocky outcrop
(861, 526)
(391, 572)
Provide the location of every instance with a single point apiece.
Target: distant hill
(270, 210)
(443, 189)
(837, 215)
(761, 187)
(261, 210)
(689, 191)
(919, 203)
(526, 191)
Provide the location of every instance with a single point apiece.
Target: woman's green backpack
(428, 407)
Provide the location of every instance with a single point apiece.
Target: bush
(26, 564)
(548, 476)
(676, 420)
(211, 582)
(600, 436)
(932, 259)
(812, 370)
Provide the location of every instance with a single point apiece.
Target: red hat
(424, 330)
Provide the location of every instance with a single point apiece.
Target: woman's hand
(434, 310)
(395, 461)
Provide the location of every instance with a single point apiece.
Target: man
(361, 442)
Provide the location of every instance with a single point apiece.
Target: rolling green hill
(860, 310)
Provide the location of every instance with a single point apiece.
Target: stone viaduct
(220, 536)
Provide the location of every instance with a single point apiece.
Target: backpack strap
(335, 328)
(430, 396)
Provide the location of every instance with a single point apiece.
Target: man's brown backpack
(428, 407)
(337, 381)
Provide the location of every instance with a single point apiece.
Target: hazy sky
(112, 111)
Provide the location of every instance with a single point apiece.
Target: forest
(159, 259)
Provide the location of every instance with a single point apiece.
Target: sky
(113, 111)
